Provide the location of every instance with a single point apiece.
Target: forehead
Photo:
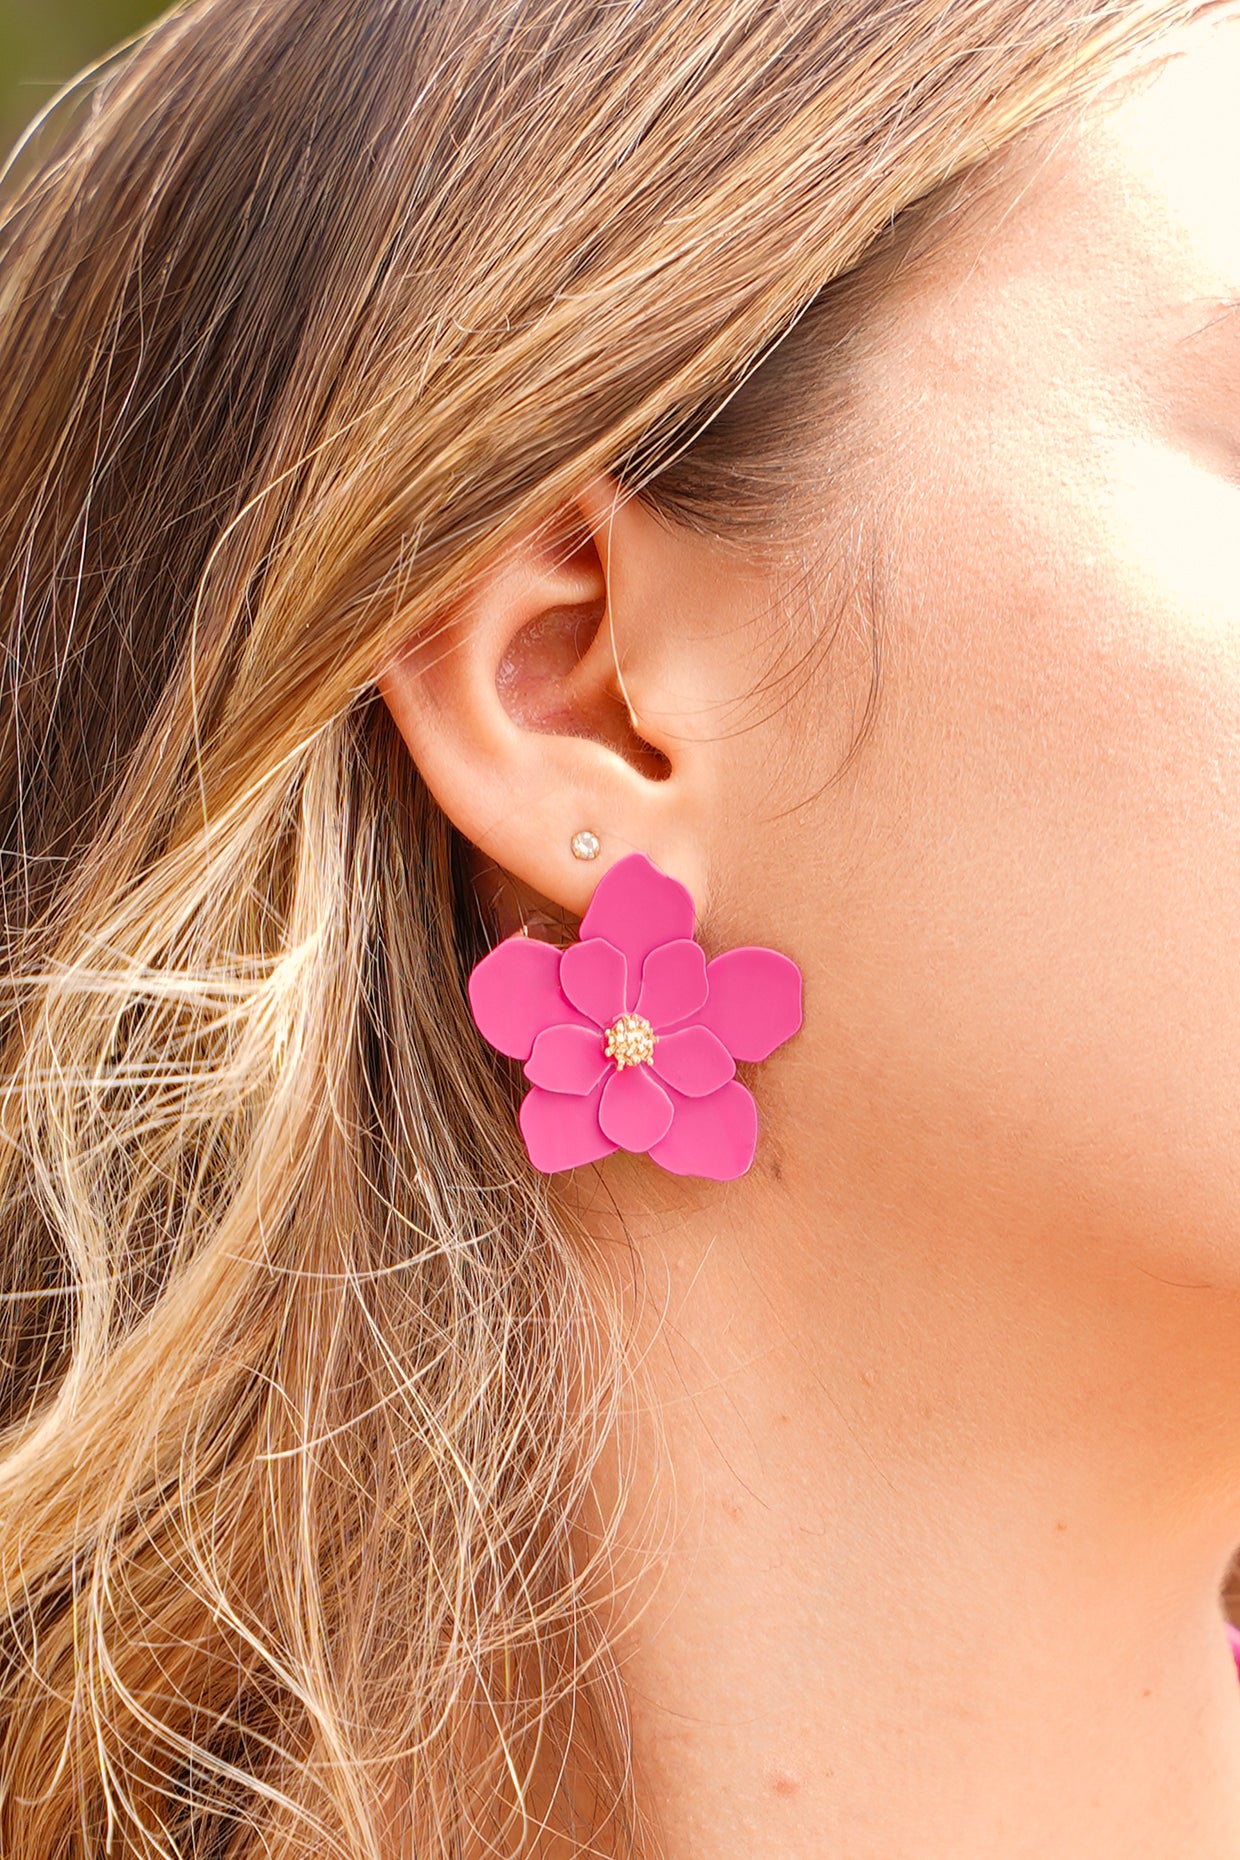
(1116, 229)
(1149, 177)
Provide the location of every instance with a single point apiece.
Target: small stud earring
(584, 845)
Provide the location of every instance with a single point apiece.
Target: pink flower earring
(629, 1036)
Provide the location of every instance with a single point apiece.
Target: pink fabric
(1233, 1638)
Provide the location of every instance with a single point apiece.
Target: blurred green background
(43, 42)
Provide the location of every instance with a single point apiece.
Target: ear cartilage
(584, 845)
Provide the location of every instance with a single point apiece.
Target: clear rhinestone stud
(585, 845)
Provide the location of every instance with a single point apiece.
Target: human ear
(539, 705)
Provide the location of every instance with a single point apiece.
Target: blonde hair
(306, 309)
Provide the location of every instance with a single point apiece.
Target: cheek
(1027, 937)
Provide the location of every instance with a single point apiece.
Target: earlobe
(515, 710)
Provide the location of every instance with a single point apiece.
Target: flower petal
(567, 1059)
(634, 1111)
(636, 907)
(693, 1060)
(673, 982)
(714, 1136)
(592, 975)
(514, 992)
(562, 1132)
(754, 1003)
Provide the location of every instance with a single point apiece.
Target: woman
(638, 475)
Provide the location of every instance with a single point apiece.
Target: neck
(940, 1578)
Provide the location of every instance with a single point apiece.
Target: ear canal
(544, 687)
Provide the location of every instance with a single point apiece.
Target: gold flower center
(630, 1041)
